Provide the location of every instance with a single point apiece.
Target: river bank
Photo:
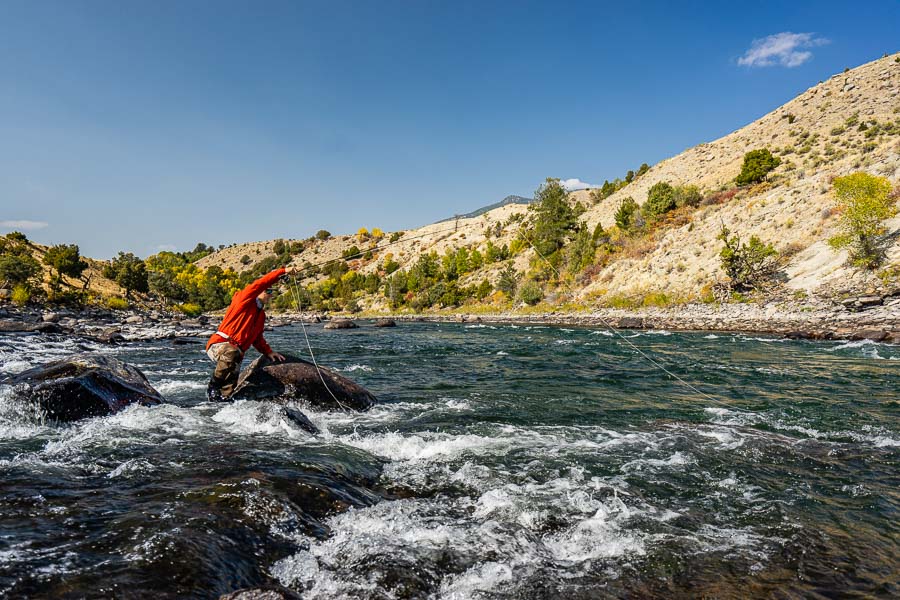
(877, 323)
(871, 318)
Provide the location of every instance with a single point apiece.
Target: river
(502, 462)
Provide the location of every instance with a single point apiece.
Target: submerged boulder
(85, 385)
(385, 323)
(297, 379)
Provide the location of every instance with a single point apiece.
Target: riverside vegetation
(713, 229)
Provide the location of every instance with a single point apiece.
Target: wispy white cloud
(575, 184)
(785, 49)
(23, 224)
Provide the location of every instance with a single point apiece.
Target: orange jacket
(244, 321)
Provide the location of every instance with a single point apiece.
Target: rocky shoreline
(876, 322)
(864, 318)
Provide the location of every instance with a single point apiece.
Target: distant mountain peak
(511, 199)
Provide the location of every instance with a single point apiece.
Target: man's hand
(275, 357)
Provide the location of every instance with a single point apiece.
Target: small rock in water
(341, 324)
(385, 323)
(631, 323)
(875, 335)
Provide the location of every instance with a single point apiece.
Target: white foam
(356, 367)
(171, 386)
(135, 466)
(250, 417)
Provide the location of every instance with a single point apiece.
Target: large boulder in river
(297, 379)
(84, 385)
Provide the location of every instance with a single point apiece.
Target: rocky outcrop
(297, 379)
(85, 385)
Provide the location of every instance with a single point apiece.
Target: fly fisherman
(242, 326)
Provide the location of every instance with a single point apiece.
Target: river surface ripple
(503, 462)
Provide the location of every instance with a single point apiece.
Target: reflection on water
(504, 461)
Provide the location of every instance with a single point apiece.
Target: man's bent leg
(225, 376)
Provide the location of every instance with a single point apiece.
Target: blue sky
(146, 125)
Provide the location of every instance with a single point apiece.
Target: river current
(502, 462)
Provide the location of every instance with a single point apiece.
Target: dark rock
(183, 341)
(111, 336)
(297, 379)
(85, 385)
(806, 335)
(341, 324)
(876, 335)
(631, 323)
(13, 326)
(300, 419)
(46, 328)
(262, 593)
(385, 323)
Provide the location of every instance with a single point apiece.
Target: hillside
(91, 281)
(848, 123)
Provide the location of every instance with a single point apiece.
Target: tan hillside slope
(817, 136)
(832, 129)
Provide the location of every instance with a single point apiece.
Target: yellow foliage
(363, 233)
(21, 295)
(189, 308)
(377, 233)
(116, 303)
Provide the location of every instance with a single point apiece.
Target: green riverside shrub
(530, 293)
(757, 164)
(660, 200)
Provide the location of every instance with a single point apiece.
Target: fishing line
(527, 238)
(296, 293)
(625, 339)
